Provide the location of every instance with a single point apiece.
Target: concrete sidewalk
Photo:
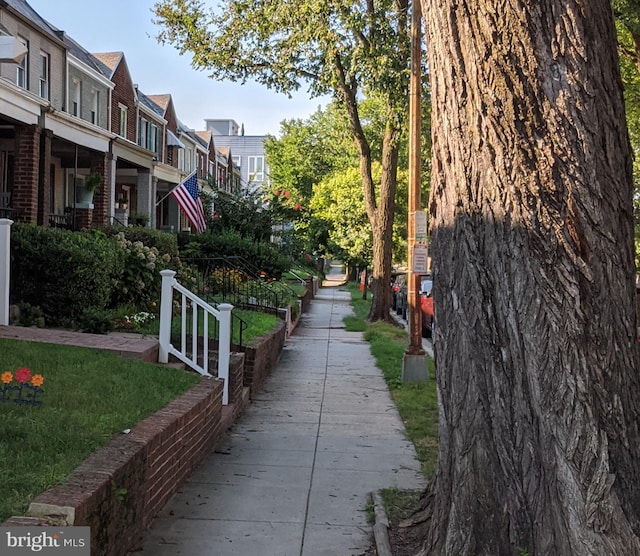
(292, 476)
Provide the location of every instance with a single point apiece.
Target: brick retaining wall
(261, 356)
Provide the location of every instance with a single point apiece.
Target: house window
(76, 96)
(153, 138)
(142, 132)
(148, 135)
(256, 168)
(150, 139)
(188, 163)
(181, 164)
(95, 106)
(44, 75)
(22, 72)
(122, 120)
(236, 161)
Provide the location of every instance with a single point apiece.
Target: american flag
(188, 198)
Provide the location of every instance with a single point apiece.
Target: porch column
(44, 189)
(145, 194)
(24, 199)
(5, 258)
(103, 196)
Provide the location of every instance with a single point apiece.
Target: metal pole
(414, 363)
(415, 130)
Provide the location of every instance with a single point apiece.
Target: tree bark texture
(532, 227)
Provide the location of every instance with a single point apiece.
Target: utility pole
(414, 363)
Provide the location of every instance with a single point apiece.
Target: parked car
(402, 306)
(426, 306)
(397, 281)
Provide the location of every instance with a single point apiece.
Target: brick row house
(71, 121)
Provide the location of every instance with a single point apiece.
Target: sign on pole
(421, 225)
(420, 258)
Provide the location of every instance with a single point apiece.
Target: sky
(126, 25)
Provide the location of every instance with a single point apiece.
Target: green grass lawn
(89, 396)
(258, 324)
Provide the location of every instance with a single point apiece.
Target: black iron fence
(235, 280)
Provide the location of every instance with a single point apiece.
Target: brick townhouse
(70, 119)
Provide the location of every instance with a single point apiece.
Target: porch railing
(189, 355)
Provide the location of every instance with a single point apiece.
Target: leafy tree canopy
(285, 43)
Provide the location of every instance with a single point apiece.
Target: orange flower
(37, 380)
(6, 377)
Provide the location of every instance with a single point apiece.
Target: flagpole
(185, 179)
(163, 198)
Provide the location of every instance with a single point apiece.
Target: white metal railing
(222, 314)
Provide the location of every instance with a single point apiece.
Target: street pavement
(293, 475)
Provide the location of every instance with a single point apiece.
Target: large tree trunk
(536, 349)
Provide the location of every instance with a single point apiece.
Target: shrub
(263, 255)
(140, 281)
(95, 321)
(29, 315)
(63, 272)
(162, 241)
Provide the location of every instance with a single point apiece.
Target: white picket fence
(190, 355)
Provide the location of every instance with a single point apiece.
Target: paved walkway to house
(120, 343)
(292, 476)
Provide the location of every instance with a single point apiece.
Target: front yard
(89, 396)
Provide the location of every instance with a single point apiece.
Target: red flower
(297, 206)
(23, 375)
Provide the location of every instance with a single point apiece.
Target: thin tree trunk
(379, 208)
(381, 218)
(536, 350)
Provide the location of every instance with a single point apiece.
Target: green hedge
(75, 278)
(265, 256)
(63, 273)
